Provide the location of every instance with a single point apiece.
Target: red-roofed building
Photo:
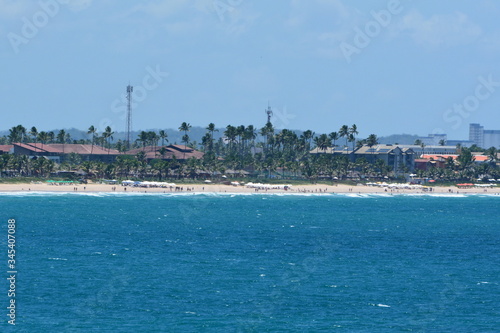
(58, 152)
(439, 161)
(477, 157)
(180, 152)
(4, 149)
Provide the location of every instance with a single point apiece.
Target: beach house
(60, 153)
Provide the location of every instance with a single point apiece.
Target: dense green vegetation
(242, 152)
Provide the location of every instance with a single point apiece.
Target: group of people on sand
(318, 190)
(75, 189)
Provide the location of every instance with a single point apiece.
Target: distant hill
(402, 139)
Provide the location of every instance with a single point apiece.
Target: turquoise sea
(252, 263)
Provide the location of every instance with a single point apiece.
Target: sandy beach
(219, 188)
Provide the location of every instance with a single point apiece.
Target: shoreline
(216, 188)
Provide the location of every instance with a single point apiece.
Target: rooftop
(59, 148)
(179, 151)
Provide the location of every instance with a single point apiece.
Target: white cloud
(439, 30)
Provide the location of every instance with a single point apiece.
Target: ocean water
(253, 263)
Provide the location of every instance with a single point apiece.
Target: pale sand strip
(216, 188)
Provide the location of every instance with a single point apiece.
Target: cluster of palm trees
(243, 149)
(19, 133)
(22, 165)
(325, 141)
(464, 167)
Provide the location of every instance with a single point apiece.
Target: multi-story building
(484, 138)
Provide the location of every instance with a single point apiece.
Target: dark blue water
(253, 263)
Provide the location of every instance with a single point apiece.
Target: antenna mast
(269, 113)
(130, 89)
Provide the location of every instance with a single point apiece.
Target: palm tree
(231, 133)
(51, 136)
(353, 131)
(308, 136)
(211, 128)
(143, 138)
(67, 138)
(153, 139)
(61, 136)
(267, 131)
(17, 134)
(108, 135)
(34, 134)
(209, 137)
(93, 131)
(185, 127)
(163, 135)
(351, 138)
(344, 132)
(43, 137)
(371, 141)
(322, 142)
(334, 136)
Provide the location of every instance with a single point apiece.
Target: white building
(484, 138)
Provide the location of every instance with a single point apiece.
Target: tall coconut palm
(308, 135)
(43, 137)
(93, 131)
(231, 133)
(61, 137)
(108, 136)
(143, 139)
(240, 132)
(267, 131)
(371, 141)
(34, 134)
(153, 139)
(334, 136)
(163, 136)
(351, 138)
(322, 142)
(211, 129)
(185, 127)
(250, 134)
(344, 132)
(353, 131)
(17, 134)
(51, 136)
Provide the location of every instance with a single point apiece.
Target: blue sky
(391, 66)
